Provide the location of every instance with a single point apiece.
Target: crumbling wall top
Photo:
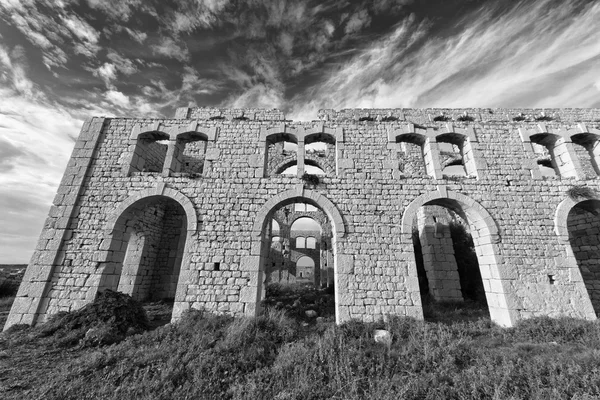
(211, 113)
(428, 115)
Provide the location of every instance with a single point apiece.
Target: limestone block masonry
(196, 193)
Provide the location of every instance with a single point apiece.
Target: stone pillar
(31, 300)
(431, 157)
(173, 157)
(563, 156)
(300, 157)
(438, 254)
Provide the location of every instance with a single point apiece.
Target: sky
(62, 61)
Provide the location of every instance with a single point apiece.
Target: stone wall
(517, 217)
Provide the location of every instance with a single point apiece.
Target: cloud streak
(531, 56)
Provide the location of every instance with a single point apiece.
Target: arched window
(320, 152)
(300, 242)
(311, 243)
(288, 170)
(587, 149)
(281, 148)
(275, 226)
(149, 152)
(190, 153)
(305, 224)
(411, 155)
(552, 151)
(455, 154)
(305, 267)
(313, 168)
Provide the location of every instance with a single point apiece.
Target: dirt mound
(109, 319)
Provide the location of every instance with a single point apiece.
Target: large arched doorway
(300, 230)
(583, 224)
(259, 263)
(298, 263)
(484, 234)
(447, 265)
(147, 237)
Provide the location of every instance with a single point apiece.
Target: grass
(206, 356)
(5, 304)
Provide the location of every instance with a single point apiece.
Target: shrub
(310, 179)
(581, 192)
(441, 118)
(465, 118)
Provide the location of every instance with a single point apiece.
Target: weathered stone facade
(183, 205)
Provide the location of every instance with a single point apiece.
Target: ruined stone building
(200, 209)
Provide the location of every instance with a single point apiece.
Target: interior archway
(485, 234)
(583, 224)
(148, 240)
(262, 241)
(447, 264)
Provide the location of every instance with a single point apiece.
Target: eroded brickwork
(385, 165)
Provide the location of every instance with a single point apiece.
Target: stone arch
(587, 149)
(302, 196)
(470, 210)
(317, 136)
(412, 152)
(145, 153)
(484, 231)
(160, 190)
(301, 216)
(327, 160)
(278, 132)
(466, 142)
(561, 228)
(115, 235)
(271, 141)
(254, 264)
(559, 147)
(282, 166)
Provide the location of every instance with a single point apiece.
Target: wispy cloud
(120, 10)
(52, 33)
(531, 56)
(168, 47)
(107, 72)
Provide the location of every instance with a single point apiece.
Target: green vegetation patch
(207, 356)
